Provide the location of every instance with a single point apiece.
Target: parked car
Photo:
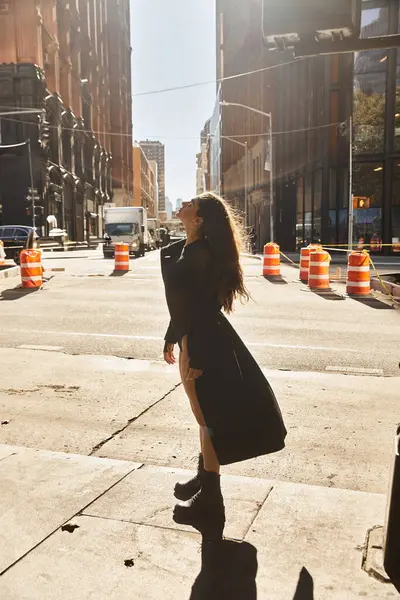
(14, 238)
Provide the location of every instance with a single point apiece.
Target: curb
(255, 256)
(9, 272)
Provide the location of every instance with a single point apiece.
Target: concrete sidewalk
(83, 527)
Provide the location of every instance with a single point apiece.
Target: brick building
(71, 59)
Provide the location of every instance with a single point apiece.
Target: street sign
(35, 197)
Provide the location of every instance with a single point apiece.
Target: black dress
(237, 402)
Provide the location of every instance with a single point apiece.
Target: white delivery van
(153, 226)
(123, 224)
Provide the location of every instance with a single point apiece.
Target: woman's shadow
(229, 570)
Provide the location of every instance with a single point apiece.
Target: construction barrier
(305, 260)
(121, 256)
(2, 255)
(304, 264)
(31, 268)
(358, 274)
(272, 260)
(360, 245)
(318, 276)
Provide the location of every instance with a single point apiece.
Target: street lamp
(246, 166)
(271, 183)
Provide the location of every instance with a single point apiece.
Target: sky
(173, 43)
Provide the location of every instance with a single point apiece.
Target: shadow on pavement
(276, 279)
(228, 571)
(305, 586)
(16, 293)
(118, 273)
(373, 303)
(329, 295)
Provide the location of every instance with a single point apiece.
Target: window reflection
(396, 208)
(370, 85)
(367, 205)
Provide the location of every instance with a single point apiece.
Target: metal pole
(271, 182)
(351, 209)
(32, 187)
(246, 198)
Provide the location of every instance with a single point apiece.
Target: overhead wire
(236, 136)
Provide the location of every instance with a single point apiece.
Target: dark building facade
(311, 101)
(57, 57)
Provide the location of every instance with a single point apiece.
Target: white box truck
(127, 224)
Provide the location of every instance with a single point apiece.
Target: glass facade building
(376, 148)
(365, 85)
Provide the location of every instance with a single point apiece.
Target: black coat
(237, 402)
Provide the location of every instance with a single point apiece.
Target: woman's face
(188, 213)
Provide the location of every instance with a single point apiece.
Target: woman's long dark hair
(224, 232)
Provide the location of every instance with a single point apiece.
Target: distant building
(156, 151)
(154, 168)
(178, 204)
(144, 182)
(168, 208)
(202, 159)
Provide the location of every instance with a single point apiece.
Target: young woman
(234, 405)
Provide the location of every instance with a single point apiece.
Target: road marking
(160, 339)
(46, 348)
(355, 370)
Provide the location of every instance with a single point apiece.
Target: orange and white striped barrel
(396, 245)
(121, 256)
(2, 255)
(358, 274)
(304, 264)
(272, 260)
(31, 268)
(318, 275)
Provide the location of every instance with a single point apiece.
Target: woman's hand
(194, 374)
(169, 355)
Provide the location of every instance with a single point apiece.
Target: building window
(367, 202)
(370, 71)
(396, 208)
(397, 107)
(317, 200)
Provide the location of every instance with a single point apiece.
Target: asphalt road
(87, 310)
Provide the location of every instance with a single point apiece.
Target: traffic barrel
(358, 274)
(121, 256)
(304, 264)
(272, 260)
(31, 268)
(2, 255)
(360, 243)
(305, 260)
(318, 276)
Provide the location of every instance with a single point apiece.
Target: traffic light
(360, 202)
(44, 132)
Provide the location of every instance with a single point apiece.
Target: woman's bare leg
(211, 463)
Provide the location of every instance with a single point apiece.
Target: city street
(81, 373)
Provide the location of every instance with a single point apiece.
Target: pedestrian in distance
(234, 405)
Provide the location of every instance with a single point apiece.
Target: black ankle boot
(186, 490)
(205, 511)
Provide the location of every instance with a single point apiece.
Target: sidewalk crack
(258, 511)
(98, 446)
